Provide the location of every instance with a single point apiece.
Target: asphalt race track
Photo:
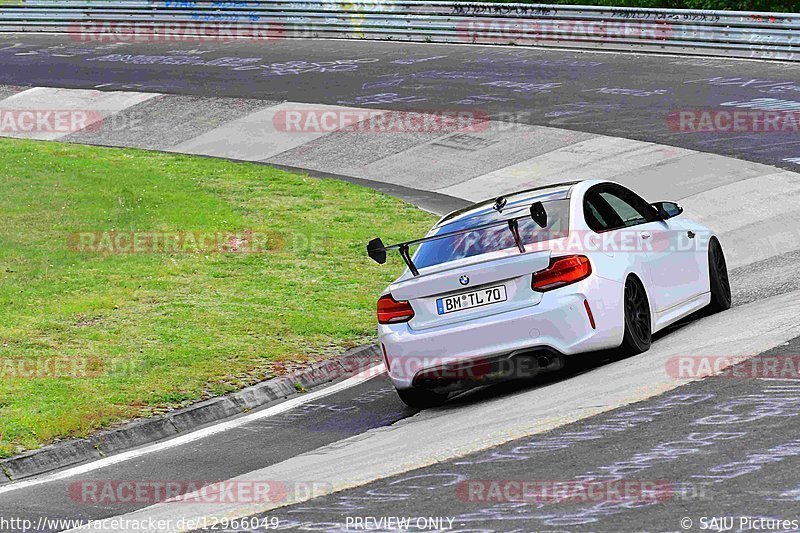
(613, 94)
(696, 442)
(235, 452)
(716, 447)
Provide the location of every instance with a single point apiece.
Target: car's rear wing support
(513, 225)
(407, 258)
(377, 250)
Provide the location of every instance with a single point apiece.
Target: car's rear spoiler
(377, 251)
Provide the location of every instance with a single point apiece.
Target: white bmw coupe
(508, 287)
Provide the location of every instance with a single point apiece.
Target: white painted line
(288, 405)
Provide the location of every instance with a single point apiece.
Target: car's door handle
(646, 235)
(690, 234)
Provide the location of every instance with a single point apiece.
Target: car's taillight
(390, 311)
(562, 271)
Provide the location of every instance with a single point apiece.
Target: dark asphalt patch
(10, 90)
(143, 125)
(326, 153)
(766, 278)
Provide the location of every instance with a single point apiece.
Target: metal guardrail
(732, 34)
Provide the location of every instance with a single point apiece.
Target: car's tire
(421, 398)
(638, 329)
(718, 278)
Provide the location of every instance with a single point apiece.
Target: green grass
(162, 330)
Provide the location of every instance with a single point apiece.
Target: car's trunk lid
(483, 286)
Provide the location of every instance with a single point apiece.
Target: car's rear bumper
(558, 324)
(458, 375)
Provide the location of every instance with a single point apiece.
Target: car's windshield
(495, 238)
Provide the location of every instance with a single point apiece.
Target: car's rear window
(493, 239)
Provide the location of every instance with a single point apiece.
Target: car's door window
(631, 209)
(599, 216)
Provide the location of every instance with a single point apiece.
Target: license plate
(471, 300)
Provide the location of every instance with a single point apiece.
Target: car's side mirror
(667, 209)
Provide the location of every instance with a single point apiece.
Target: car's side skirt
(673, 314)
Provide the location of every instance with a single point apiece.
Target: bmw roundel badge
(464, 280)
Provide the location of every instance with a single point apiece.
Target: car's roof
(556, 191)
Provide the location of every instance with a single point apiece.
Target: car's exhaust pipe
(543, 361)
